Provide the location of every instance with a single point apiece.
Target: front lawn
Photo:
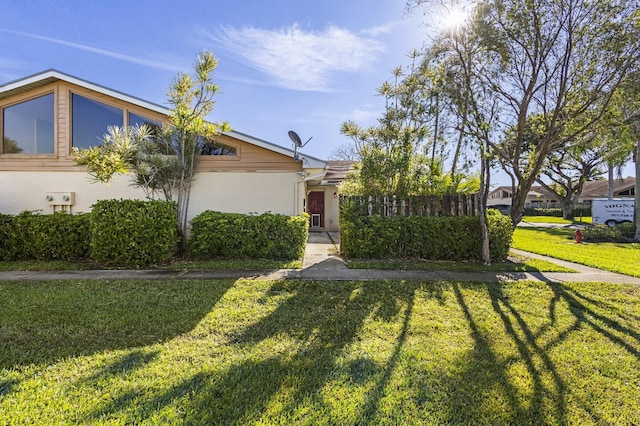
(302, 352)
(560, 243)
(555, 219)
(177, 265)
(513, 264)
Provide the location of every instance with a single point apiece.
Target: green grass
(514, 264)
(319, 353)
(560, 243)
(554, 219)
(179, 265)
(240, 264)
(37, 265)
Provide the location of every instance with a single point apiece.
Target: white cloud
(366, 117)
(380, 29)
(163, 65)
(297, 59)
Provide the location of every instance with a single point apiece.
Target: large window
(135, 119)
(28, 127)
(91, 119)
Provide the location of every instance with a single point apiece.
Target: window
(28, 127)
(135, 119)
(91, 119)
(211, 147)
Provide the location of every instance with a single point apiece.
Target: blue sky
(283, 65)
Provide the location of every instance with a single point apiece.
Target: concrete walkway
(321, 262)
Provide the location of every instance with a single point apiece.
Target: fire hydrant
(578, 236)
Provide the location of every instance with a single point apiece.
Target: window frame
(89, 96)
(22, 99)
(216, 158)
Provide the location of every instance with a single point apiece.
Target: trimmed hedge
(32, 235)
(133, 233)
(423, 237)
(234, 235)
(620, 233)
(556, 212)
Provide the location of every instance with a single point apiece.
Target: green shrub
(621, 233)
(133, 233)
(500, 235)
(239, 236)
(536, 211)
(556, 212)
(32, 235)
(422, 237)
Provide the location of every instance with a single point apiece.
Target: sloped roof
(540, 191)
(600, 188)
(535, 191)
(337, 170)
(35, 81)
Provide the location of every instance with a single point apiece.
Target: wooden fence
(432, 205)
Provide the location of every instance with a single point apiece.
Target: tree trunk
(567, 208)
(610, 193)
(637, 191)
(518, 200)
(485, 176)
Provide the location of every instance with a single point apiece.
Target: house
(538, 196)
(622, 188)
(43, 116)
(500, 197)
(322, 195)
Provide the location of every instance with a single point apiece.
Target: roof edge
(55, 74)
(307, 160)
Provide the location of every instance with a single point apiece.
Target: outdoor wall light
(49, 197)
(65, 198)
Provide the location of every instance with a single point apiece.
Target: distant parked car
(502, 208)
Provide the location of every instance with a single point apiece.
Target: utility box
(612, 212)
(60, 198)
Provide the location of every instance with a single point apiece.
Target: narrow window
(211, 147)
(91, 119)
(28, 127)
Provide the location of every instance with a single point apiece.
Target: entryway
(315, 209)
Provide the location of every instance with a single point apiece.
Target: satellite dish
(297, 143)
(295, 138)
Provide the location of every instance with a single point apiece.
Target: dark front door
(316, 209)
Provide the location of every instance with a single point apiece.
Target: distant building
(622, 188)
(540, 197)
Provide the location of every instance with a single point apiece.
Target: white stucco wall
(240, 192)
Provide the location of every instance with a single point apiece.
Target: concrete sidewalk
(321, 262)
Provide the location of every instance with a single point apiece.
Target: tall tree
(405, 153)
(561, 59)
(166, 160)
(629, 109)
(456, 49)
(390, 152)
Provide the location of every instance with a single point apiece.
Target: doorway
(315, 208)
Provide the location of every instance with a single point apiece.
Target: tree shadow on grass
(7, 385)
(527, 380)
(481, 375)
(47, 321)
(480, 384)
(324, 319)
(605, 324)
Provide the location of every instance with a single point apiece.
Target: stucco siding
(227, 192)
